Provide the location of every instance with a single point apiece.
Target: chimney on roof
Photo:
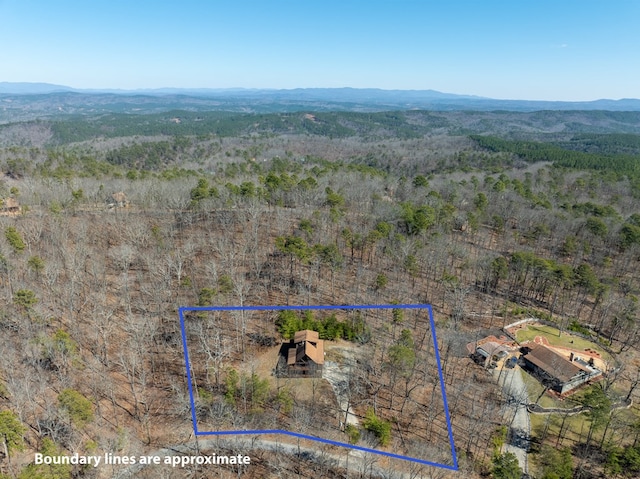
(571, 357)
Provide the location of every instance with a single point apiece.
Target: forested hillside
(65, 128)
(488, 217)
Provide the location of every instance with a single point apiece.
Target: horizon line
(62, 88)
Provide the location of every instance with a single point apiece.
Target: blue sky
(538, 50)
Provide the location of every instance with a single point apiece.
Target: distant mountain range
(334, 94)
(20, 101)
(23, 88)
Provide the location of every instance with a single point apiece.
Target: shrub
(379, 427)
(36, 263)
(12, 430)
(205, 296)
(48, 471)
(381, 281)
(576, 327)
(25, 298)
(14, 239)
(505, 466)
(353, 432)
(78, 407)
(288, 323)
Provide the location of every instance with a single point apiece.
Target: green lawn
(534, 389)
(554, 337)
(576, 426)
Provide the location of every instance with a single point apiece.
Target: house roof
(306, 335)
(315, 351)
(118, 197)
(490, 348)
(552, 363)
(307, 343)
(11, 203)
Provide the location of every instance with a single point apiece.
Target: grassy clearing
(534, 389)
(575, 428)
(555, 338)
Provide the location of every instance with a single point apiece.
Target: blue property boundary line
(183, 310)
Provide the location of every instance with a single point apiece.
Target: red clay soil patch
(541, 340)
(514, 329)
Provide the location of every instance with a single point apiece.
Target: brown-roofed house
(117, 200)
(559, 373)
(10, 206)
(305, 354)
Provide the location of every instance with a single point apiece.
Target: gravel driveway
(519, 426)
(338, 376)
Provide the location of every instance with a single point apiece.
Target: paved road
(517, 413)
(244, 446)
(352, 460)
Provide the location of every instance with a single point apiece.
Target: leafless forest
(91, 357)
